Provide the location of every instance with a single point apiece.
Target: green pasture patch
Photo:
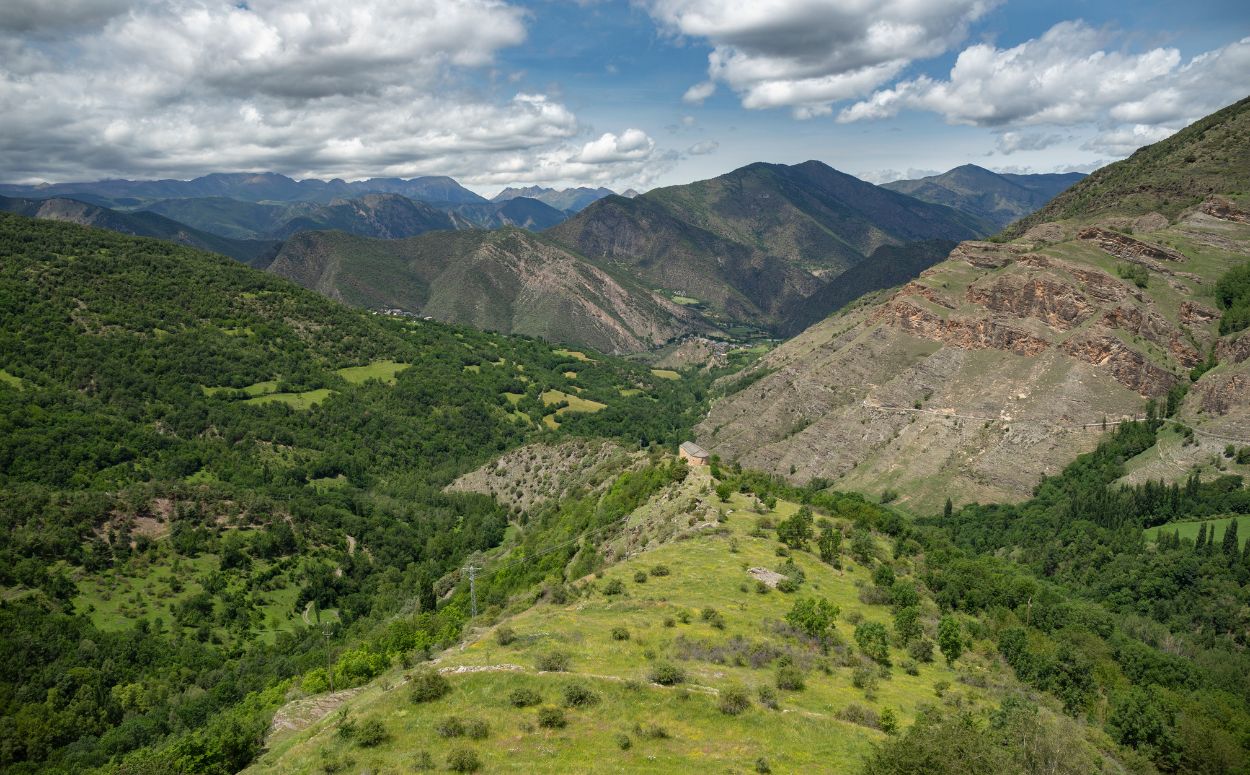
(305, 400)
(383, 371)
(665, 374)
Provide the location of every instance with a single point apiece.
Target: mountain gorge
(971, 524)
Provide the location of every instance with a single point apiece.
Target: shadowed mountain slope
(977, 191)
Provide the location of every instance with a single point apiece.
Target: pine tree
(1230, 540)
(1200, 545)
(1245, 556)
(948, 509)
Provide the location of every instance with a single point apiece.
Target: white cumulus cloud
(808, 54)
(146, 88)
(1066, 77)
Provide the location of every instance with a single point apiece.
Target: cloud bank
(92, 88)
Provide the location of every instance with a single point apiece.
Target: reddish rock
(1234, 350)
(1197, 315)
(1218, 207)
(964, 333)
(1129, 367)
(1056, 304)
(1127, 248)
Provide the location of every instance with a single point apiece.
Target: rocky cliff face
(998, 365)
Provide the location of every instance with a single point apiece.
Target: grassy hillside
(221, 480)
(1210, 156)
(696, 623)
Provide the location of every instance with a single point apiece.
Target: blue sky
(614, 66)
(609, 92)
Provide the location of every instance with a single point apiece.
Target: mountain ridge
(998, 198)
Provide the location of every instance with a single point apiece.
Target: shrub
(790, 678)
(761, 766)
(614, 587)
(910, 667)
(476, 729)
(552, 662)
(578, 695)
(768, 697)
(940, 687)
(623, 742)
(864, 678)
(449, 726)
(812, 616)
(883, 576)
(713, 617)
(921, 650)
(505, 635)
(651, 731)
(659, 570)
(874, 641)
(889, 721)
(428, 685)
(787, 585)
(858, 714)
(670, 621)
(761, 587)
(666, 674)
(640, 577)
(620, 633)
(551, 718)
(524, 698)
(734, 700)
(371, 733)
(422, 760)
(463, 760)
(683, 617)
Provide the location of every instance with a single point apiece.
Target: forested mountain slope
(999, 365)
(212, 480)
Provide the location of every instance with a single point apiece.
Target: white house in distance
(693, 454)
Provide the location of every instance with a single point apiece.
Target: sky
(619, 93)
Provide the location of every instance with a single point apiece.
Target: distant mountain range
(247, 187)
(569, 199)
(143, 224)
(996, 197)
(766, 248)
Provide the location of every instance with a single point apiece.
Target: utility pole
(472, 570)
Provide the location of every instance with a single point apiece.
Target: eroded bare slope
(999, 364)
